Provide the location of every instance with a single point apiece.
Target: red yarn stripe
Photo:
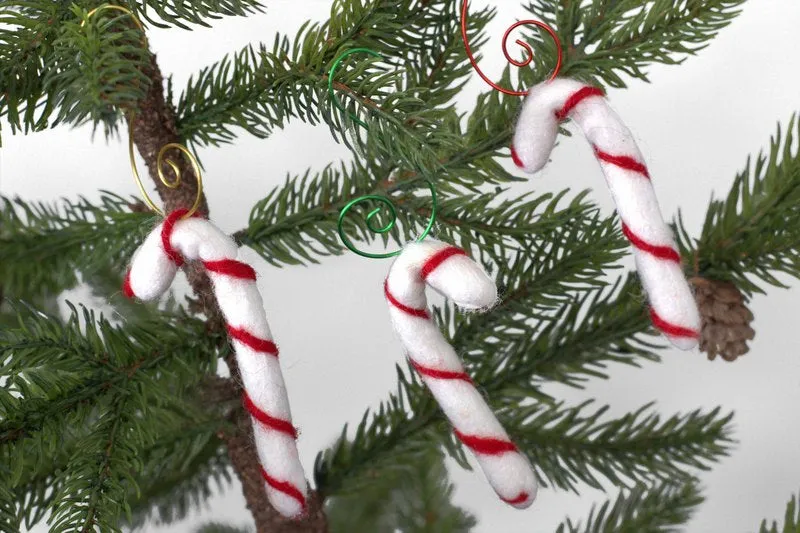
(267, 420)
(284, 487)
(127, 290)
(486, 445)
(673, 330)
(576, 98)
(661, 252)
(622, 161)
(251, 341)
(232, 268)
(166, 235)
(522, 498)
(515, 158)
(440, 374)
(421, 313)
(438, 258)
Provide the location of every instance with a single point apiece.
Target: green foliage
(571, 446)
(179, 13)
(791, 521)
(259, 90)
(27, 32)
(642, 510)
(751, 236)
(608, 39)
(43, 245)
(412, 499)
(96, 68)
(82, 405)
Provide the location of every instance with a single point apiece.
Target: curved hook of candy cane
(332, 95)
(673, 308)
(507, 54)
(449, 271)
(385, 202)
(152, 270)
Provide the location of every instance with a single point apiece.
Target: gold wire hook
(160, 160)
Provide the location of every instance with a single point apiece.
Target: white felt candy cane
(673, 309)
(154, 267)
(449, 271)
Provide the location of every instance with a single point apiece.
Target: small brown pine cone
(726, 319)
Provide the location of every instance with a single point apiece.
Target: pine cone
(726, 319)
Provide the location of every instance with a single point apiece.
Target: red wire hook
(505, 50)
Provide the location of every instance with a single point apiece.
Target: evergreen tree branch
(181, 13)
(259, 91)
(661, 509)
(752, 236)
(791, 520)
(416, 499)
(43, 245)
(573, 445)
(605, 40)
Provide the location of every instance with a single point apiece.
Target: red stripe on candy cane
(664, 253)
(284, 487)
(439, 374)
(577, 98)
(166, 235)
(267, 420)
(622, 161)
(438, 258)
(253, 342)
(673, 330)
(232, 268)
(521, 498)
(421, 313)
(486, 445)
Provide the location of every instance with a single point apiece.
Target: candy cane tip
(522, 501)
(127, 290)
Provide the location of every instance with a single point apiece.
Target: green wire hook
(389, 225)
(332, 73)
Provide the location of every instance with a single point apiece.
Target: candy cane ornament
(673, 309)
(449, 271)
(152, 270)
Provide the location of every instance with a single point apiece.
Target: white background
(696, 124)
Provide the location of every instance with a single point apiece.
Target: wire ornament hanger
(506, 53)
(161, 158)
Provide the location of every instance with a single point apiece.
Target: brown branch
(153, 127)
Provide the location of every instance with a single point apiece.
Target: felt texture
(450, 272)
(673, 309)
(152, 270)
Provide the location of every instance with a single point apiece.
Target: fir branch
(177, 474)
(97, 68)
(642, 510)
(180, 13)
(753, 235)
(791, 520)
(311, 206)
(605, 40)
(573, 445)
(28, 29)
(43, 245)
(259, 91)
(416, 499)
(85, 385)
